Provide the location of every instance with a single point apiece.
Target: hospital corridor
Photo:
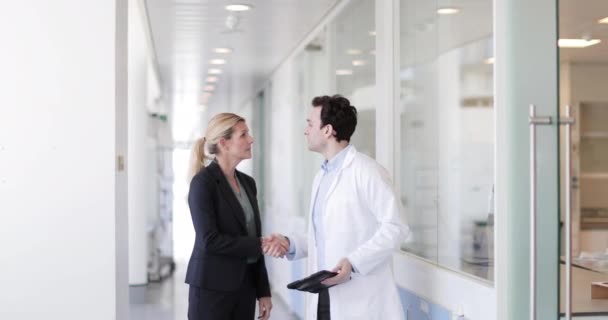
(304, 160)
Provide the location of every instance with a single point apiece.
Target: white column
(62, 127)
(387, 65)
(139, 175)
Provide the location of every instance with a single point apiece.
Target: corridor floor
(168, 300)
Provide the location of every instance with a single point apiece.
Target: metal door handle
(533, 122)
(568, 121)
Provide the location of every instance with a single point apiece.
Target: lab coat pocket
(359, 298)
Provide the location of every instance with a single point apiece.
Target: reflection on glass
(354, 68)
(583, 83)
(447, 133)
(312, 70)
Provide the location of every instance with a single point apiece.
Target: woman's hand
(275, 245)
(265, 306)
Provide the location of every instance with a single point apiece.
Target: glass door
(583, 65)
(527, 159)
(552, 159)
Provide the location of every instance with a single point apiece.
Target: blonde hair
(220, 126)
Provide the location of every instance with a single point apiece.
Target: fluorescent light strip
(238, 7)
(217, 61)
(447, 10)
(344, 72)
(577, 43)
(222, 50)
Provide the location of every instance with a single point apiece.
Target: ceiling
(578, 19)
(185, 32)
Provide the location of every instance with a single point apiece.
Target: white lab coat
(362, 222)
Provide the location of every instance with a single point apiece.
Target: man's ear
(329, 129)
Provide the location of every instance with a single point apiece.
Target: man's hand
(275, 245)
(265, 304)
(343, 268)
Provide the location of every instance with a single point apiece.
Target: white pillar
(139, 175)
(387, 65)
(63, 229)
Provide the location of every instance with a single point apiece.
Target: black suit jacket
(222, 246)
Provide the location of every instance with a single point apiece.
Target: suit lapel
(226, 191)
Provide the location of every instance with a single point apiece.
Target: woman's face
(239, 145)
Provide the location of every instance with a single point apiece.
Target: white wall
(63, 94)
(451, 290)
(588, 82)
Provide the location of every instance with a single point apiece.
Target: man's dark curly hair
(338, 112)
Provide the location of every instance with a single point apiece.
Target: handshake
(275, 245)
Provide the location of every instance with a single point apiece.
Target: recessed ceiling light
(353, 51)
(344, 72)
(577, 43)
(358, 63)
(372, 33)
(212, 79)
(605, 20)
(217, 61)
(222, 50)
(489, 60)
(448, 10)
(209, 88)
(238, 7)
(215, 71)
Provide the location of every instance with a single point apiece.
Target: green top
(248, 209)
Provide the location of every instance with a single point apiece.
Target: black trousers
(204, 304)
(323, 306)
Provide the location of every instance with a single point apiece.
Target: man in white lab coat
(355, 223)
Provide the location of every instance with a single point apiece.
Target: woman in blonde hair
(226, 272)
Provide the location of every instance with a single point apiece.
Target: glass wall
(312, 70)
(352, 37)
(339, 59)
(447, 132)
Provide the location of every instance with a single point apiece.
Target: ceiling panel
(184, 32)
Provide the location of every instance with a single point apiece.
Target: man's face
(316, 137)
